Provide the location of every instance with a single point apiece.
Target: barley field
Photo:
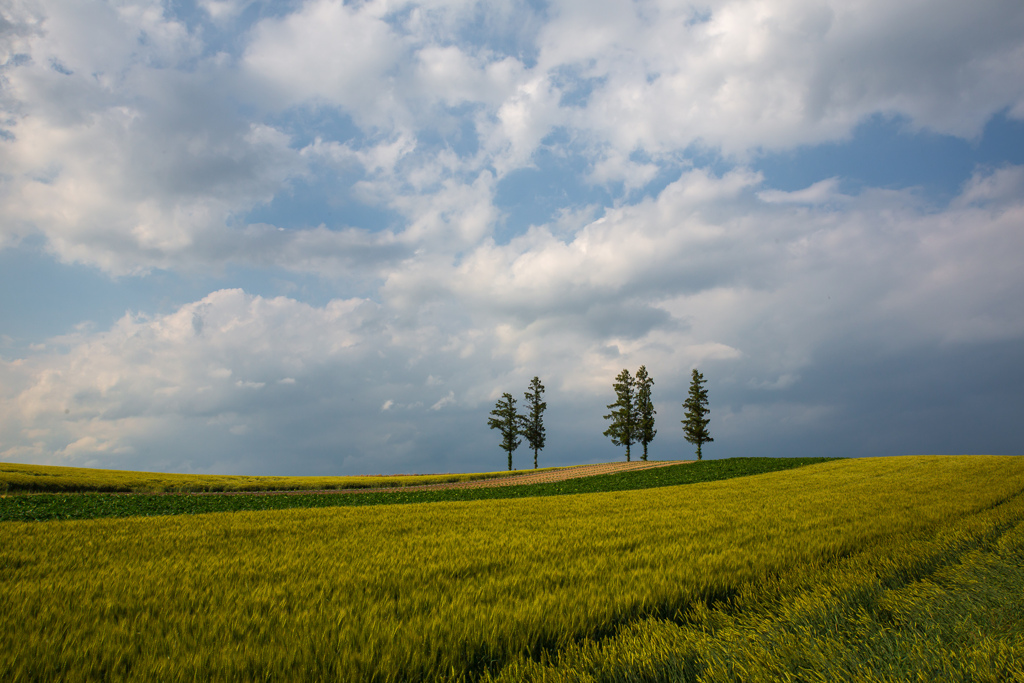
(17, 478)
(884, 569)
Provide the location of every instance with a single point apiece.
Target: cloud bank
(375, 146)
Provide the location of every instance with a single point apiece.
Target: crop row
(41, 507)
(692, 580)
(944, 605)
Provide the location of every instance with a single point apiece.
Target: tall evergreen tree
(509, 422)
(534, 418)
(623, 429)
(695, 426)
(644, 409)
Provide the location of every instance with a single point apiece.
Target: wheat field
(52, 479)
(827, 572)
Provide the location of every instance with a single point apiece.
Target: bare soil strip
(576, 472)
(528, 477)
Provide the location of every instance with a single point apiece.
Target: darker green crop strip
(66, 506)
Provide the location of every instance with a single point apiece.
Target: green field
(15, 478)
(879, 569)
(42, 507)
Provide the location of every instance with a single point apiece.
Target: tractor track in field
(527, 477)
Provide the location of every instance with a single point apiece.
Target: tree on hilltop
(509, 422)
(533, 428)
(623, 428)
(644, 409)
(695, 426)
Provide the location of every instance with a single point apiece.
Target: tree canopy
(695, 426)
(533, 421)
(623, 428)
(508, 422)
(644, 409)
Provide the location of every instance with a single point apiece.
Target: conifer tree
(623, 429)
(509, 422)
(695, 426)
(644, 409)
(534, 418)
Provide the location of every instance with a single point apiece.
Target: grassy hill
(877, 569)
(41, 507)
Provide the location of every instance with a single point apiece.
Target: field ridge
(875, 570)
(45, 506)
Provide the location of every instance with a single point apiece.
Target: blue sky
(324, 237)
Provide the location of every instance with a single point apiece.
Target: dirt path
(527, 477)
(575, 472)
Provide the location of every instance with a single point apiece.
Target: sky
(322, 237)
